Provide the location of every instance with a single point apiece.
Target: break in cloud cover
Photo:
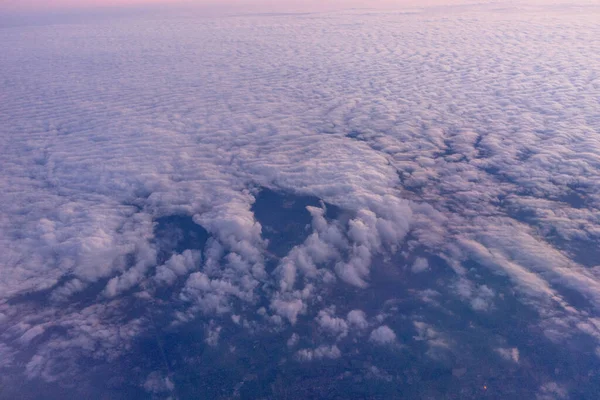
(361, 204)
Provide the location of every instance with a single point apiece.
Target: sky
(304, 5)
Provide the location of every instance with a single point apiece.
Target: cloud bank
(434, 177)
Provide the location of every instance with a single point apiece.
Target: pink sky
(65, 4)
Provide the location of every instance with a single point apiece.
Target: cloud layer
(436, 175)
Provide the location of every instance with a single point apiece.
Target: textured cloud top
(353, 204)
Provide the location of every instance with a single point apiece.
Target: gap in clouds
(285, 220)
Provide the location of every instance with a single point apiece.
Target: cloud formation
(448, 162)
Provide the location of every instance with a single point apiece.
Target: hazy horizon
(295, 5)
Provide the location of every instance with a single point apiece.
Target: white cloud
(324, 351)
(420, 265)
(178, 265)
(357, 319)
(293, 340)
(480, 297)
(156, 383)
(438, 344)
(509, 354)
(331, 324)
(210, 295)
(213, 334)
(288, 309)
(485, 158)
(31, 334)
(382, 335)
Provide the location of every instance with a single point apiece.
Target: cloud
(382, 335)
(31, 334)
(210, 295)
(6, 356)
(293, 340)
(552, 391)
(178, 265)
(511, 354)
(324, 351)
(438, 344)
(357, 319)
(480, 297)
(331, 324)
(213, 333)
(156, 383)
(420, 265)
(483, 159)
(288, 309)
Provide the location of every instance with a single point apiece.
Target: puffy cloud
(382, 335)
(438, 344)
(511, 354)
(289, 309)
(178, 265)
(356, 270)
(357, 319)
(210, 295)
(322, 246)
(480, 297)
(156, 383)
(213, 333)
(331, 324)
(293, 340)
(420, 265)
(324, 351)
